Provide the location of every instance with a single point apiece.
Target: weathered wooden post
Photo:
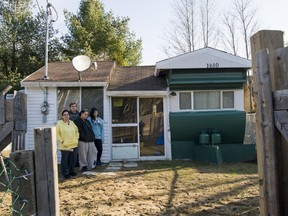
(267, 149)
(20, 121)
(2, 104)
(23, 183)
(279, 63)
(46, 171)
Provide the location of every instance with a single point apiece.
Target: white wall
(35, 99)
(106, 154)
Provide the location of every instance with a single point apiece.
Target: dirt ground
(160, 188)
(163, 188)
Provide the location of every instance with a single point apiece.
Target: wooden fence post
(269, 181)
(20, 121)
(265, 40)
(2, 110)
(23, 183)
(279, 62)
(46, 171)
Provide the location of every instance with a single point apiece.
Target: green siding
(214, 154)
(197, 79)
(182, 150)
(238, 152)
(186, 126)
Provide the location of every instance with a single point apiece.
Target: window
(124, 120)
(66, 96)
(206, 100)
(124, 110)
(185, 100)
(228, 99)
(85, 97)
(92, 97)
(151, 127)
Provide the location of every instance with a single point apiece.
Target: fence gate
(271, 98)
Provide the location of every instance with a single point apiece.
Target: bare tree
(197, 24)
(208, 19)
(229, 32)
(246, 15)
(181, 34)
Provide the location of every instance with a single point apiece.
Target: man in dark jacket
(73, 115)
(86, 148)
(73, 112)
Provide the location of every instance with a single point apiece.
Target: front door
(151, 127)
(137, 128)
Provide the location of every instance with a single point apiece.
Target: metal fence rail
(9, 187)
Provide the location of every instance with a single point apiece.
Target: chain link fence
(11, 202)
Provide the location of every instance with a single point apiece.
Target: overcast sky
(148, 19)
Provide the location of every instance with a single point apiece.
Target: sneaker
(84, 169)
(99, 163)
(67, 176)
(73, 173)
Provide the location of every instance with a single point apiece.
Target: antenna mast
(47, 39)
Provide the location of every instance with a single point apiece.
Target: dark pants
(68, 161)
(98, 145)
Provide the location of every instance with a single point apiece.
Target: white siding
(166, 106)
(35, 99)
(239, 99)
(106, 154)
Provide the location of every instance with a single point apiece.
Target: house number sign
(213, 65)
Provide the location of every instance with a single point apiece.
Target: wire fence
(11, 201)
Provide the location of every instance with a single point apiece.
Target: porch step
(117, 166)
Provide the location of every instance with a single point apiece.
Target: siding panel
(186, 126)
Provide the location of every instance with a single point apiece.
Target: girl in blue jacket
(98, 129)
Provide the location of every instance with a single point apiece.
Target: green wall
(186, 126)
(216, 154)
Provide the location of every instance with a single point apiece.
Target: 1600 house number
(212, 65)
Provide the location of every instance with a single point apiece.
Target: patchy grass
(161, 188)
(164, 188)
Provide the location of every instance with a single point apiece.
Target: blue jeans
(68, 161)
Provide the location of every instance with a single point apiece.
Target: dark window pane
(124, 110)
(151, 127)
(65, 96)
(93, 97)
(124, 135)
(228, 99)
(185, 100)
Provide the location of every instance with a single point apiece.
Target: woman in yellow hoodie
(67, 137)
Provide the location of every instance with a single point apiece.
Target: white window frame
(192, 100)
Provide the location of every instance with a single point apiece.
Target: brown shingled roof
(137, 78)
(65, 72)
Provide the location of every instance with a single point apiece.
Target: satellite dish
(81, 63)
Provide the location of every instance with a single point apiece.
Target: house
(190, 106)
